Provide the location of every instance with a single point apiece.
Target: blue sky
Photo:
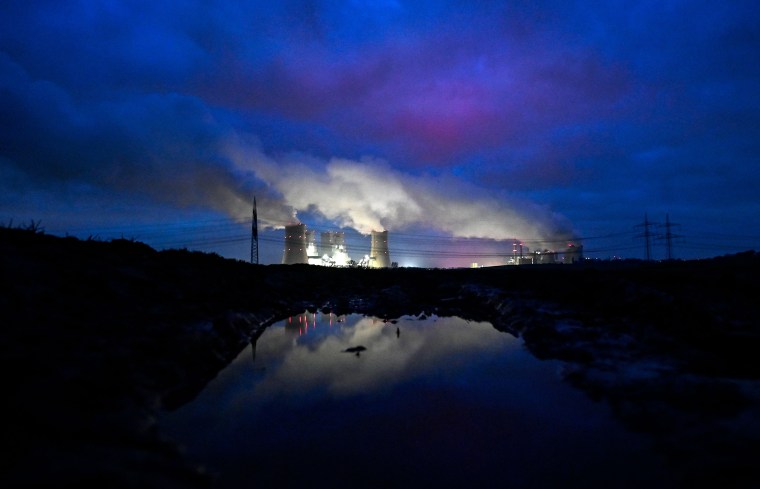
(438, 121)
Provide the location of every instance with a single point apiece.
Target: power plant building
(311, 238)
(573, 253)
(312, 254)
(301, 247)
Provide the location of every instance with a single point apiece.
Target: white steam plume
(369, 195)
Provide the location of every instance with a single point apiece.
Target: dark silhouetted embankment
(97, 337)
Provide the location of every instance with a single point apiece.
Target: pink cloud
(431, 99)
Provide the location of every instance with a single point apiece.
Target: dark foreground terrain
(98, 337)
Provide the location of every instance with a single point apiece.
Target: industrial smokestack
(379, 257)
(295, 245)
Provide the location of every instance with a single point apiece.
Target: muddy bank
(97, 337)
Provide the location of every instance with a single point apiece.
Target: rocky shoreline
(98, 337)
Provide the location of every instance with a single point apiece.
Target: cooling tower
(330, 241)
(379, 257)
(295, 245)
(326, 243)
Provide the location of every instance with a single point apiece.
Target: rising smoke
(370, 195)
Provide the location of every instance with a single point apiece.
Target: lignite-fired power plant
(301, 247)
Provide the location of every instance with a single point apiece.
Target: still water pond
(435, 402)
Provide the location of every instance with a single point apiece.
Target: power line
(208, 234)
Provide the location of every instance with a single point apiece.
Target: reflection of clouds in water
(422, 347)
(270, 346)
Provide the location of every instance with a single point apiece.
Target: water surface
(440, 402)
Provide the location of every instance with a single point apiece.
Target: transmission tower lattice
(669, 236)
(254, 236)
(647, 234)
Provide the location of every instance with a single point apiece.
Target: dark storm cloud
(161, 147)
